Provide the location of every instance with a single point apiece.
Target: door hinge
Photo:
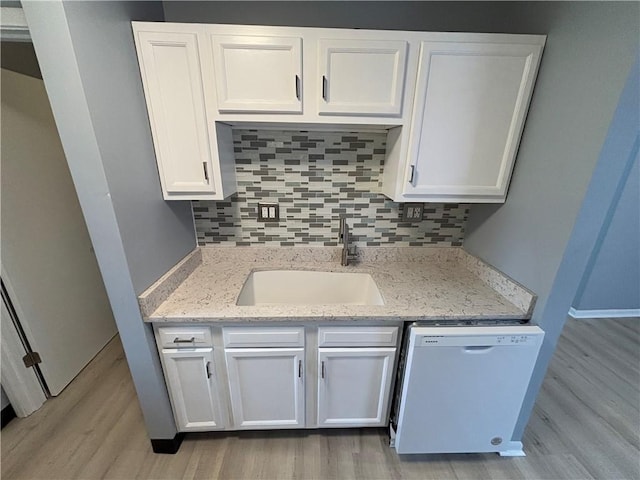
(31, 359)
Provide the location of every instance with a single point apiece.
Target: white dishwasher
(462, 388)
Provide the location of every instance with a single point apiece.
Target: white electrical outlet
(268, 212)
(412, 212)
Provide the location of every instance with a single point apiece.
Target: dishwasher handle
(477, 348)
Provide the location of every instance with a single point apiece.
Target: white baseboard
(613, 313)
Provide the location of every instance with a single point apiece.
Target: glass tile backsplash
(315, 177)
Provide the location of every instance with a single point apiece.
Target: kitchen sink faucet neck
(344, 235)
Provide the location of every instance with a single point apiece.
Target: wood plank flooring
(586, 424)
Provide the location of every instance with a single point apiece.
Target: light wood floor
(586, 425)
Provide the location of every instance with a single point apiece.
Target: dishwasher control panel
(476, 340)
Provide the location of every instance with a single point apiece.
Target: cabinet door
(192, 388)
(362, 77)
(170, 67)
(258, 74)
(354, 386)
(266, 386)
(469, 112)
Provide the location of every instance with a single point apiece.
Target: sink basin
(297, 287)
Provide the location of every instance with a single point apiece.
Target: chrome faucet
(347, 253)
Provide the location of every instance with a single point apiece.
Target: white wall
(47, 256)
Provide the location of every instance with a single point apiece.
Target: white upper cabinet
(258, 73)
(469, 111)
(191, 152)
(361, 77)
(454, 104)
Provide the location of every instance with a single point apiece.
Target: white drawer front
(264, 337)
(185, 337)
(357, 336)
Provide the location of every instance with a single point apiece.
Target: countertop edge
(331, 319)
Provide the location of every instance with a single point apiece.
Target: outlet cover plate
(412, 212)
(268, 212)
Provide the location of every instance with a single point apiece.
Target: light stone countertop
(417, 283)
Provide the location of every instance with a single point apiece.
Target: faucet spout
(344, 235)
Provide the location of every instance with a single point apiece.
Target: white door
(48, 264)
(469, 112)
(354, 386)
(267, 387)
(170, 67)
(361, 77)
(258, 74)
(192, 387)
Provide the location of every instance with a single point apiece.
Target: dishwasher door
(463, 387)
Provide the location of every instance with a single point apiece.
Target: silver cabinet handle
(178, 340)
(206, 172)
(324, 88)
(297, 87)
(208, 369)
(299, 368)
(322, 369)
(413, 171)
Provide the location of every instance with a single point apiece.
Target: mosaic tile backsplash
(315, 177)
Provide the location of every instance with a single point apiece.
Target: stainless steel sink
(298, 287)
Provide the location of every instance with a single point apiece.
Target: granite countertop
(417, 283)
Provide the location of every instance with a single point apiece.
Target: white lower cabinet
(266, 387)
(354, 386)
(192, 386)
(275, 377)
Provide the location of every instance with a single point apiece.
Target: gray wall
(614, 279)
(436, 16)
(590, 49)
(155, 233)
(589, 52)
(87, 57)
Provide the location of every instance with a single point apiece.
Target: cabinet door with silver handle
(192, 388)
(266, 386)
(354, 386)
(253, 73)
